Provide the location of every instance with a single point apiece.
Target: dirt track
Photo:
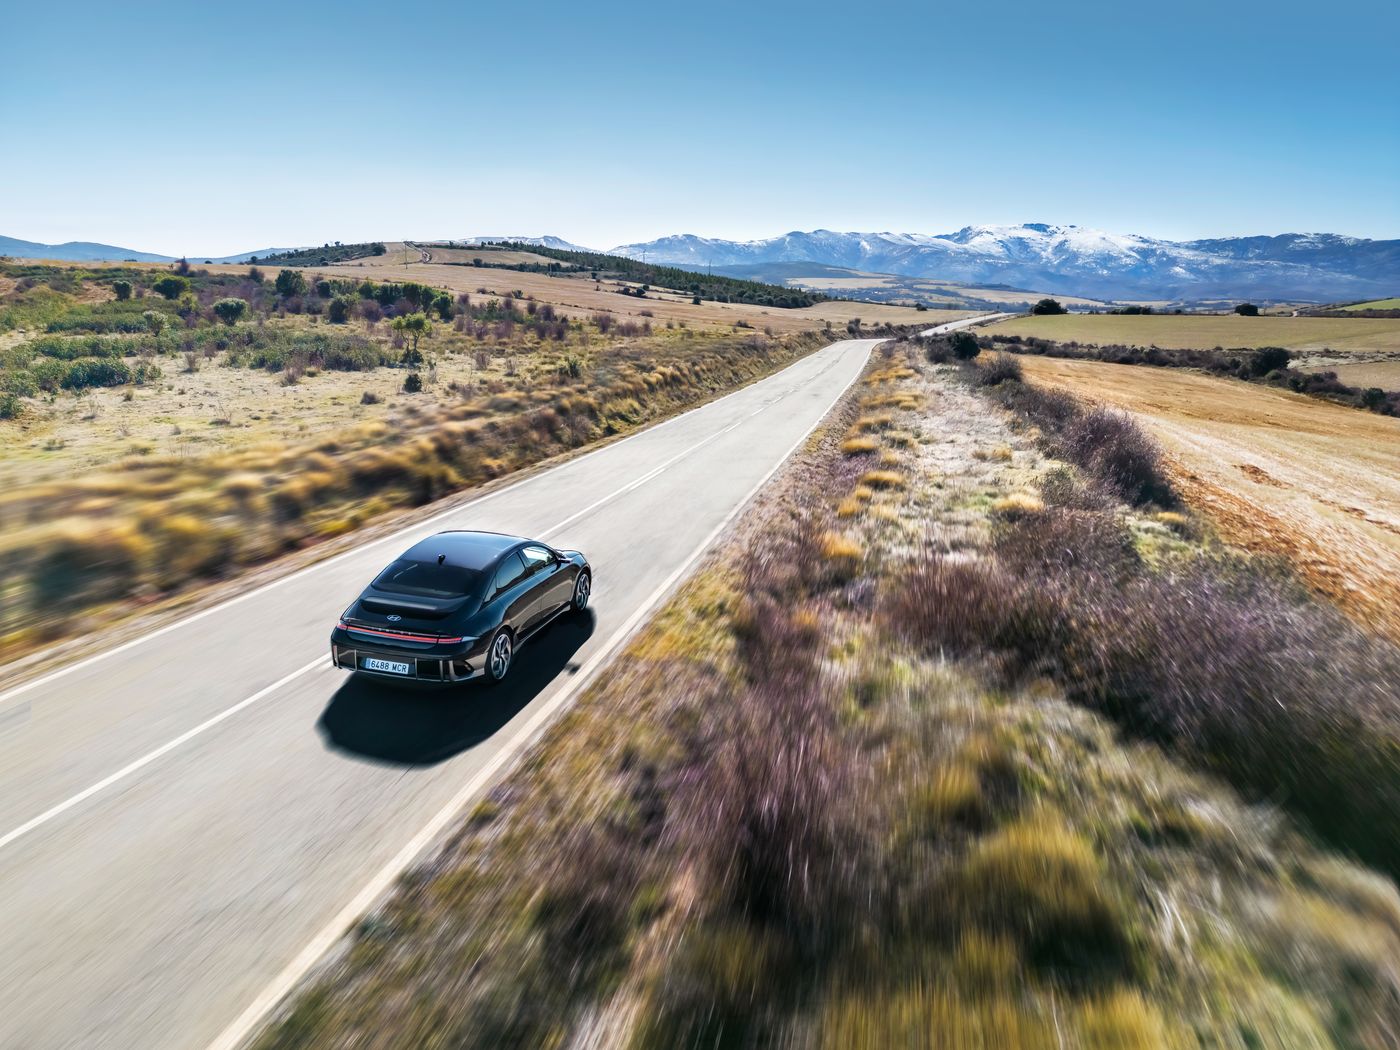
(1276, 471)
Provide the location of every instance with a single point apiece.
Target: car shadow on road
(373, 719)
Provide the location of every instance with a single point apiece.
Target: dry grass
(883, 479)
(859, 445)
(775, 824)
(1277, 472)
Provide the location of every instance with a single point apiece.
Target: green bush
(413, 383)
(230, 311)
(964, 346)
(122, 289)
(73, 347)
(48, 374)
(289, 283)
(339, 309)
(10, 406)
(96, 372)
(20, 383)
(171, 286)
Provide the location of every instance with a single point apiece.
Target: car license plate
(392, 666)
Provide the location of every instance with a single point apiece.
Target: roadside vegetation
(930, 754)
(526, 383)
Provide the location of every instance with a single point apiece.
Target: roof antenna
(442, 558)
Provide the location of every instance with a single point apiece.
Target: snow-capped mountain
(1075, 260)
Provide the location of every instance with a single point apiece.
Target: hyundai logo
(393, 618)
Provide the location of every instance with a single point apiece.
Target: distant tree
(921, 308)
(1373, 397)
(412, 383)
(1048, 306)
(289, 283)
(122, 289)
(964, 346)
(323, 289)
(182, 267)
(411, 358)
(255, 275)
(230, 311)
(155, 322)
(443, 305)
(694, 300)
(338, 312)
(1247, 310)
(415, 326)
(172, 287)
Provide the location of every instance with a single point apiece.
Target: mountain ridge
(1073, 260)
(1063, 259)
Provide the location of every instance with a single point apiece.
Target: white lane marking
(500, 763)
(146, 759)
(61, 672)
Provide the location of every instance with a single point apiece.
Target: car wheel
(583, 587)
(499, 655)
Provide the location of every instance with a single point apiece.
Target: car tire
(499, 656)
(583, 590)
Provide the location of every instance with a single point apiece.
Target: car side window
(511, 572)
(537, 559)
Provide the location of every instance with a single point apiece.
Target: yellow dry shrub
(1000, 454)
(889, 458)
(878, 421)
(1123, 1020)
(836, 547)
(849, 507)
(885, 512)
(855, 446)
(952, 795)
(1018, 505)
(862, 493)
(936, 1019)
(883, 479)
(901, 438)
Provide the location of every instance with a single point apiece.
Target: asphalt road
(188, 821)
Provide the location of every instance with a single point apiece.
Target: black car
(457, 605)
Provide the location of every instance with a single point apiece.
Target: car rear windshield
(428, 579)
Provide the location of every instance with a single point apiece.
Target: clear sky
(207, 128)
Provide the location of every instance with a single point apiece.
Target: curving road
(189, 821)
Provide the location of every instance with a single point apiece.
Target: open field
(578, 296)
(1363, 370)
(1205, 331)
(1279, 472)
(783, 818)
(1375, 304)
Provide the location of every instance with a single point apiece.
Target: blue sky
(214, 128)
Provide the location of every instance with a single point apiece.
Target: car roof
(468, 550)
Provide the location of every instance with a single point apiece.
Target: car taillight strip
(396, 634)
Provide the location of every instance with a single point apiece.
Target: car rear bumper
(428, 668)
